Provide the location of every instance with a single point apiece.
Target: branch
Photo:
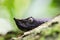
(35, 34)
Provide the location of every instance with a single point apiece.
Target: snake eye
(30, 20)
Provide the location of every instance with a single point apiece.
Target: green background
(10, 9)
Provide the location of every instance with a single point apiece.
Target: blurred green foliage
(56, 3)
(18, 8)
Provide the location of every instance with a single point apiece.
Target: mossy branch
(43, 31)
